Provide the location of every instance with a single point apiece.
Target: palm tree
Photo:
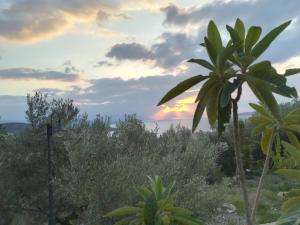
(229, 68)
(291, 207)
(270, 126)
(156, 208)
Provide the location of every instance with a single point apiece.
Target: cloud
(105, 63)
(103, 16)
(34, 74)
(116, 97)
(268, 12)
(171, 49)
(265, 13)
(177, 16)
(29, 21)
(129, 51)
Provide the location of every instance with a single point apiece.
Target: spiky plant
(270, 126)
(155, 208)
(291, 207)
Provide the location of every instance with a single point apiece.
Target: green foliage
(40, 109)
(266, 123)
(291, 217)
(291, 207)
(156, 207)
(229, 68)
(23, 167)
(103, 164)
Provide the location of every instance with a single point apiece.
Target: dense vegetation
(231, 66)
(97, 167)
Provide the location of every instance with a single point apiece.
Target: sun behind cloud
(182, 109)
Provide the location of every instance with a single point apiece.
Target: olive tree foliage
(41, 110)
(105, 164)
(23, 163)
(230, 66)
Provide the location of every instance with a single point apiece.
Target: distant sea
(164, 125)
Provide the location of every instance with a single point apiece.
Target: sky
(116, 57)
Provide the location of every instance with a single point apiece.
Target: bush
(103, 165)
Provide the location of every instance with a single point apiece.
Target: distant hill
(14, 128)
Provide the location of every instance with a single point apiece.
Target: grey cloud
(105, 63)
(175, 16)
(169, 52)
(175, 48)
(172, 49)
(28, 73)
(265, 13)
(130, 51)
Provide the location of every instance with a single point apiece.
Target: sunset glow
(182, 109)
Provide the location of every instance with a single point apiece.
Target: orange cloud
(30, 21)
(183, 108)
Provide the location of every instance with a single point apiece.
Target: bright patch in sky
(182, 109)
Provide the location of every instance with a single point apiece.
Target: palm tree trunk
(264, 172)
(238, 158)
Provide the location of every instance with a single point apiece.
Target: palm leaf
(213, 36)
(292, 150)
(292, 173)
(252, 37)
(126, 210)
(240, 28)
(266, 140)
(199, 111)
(211, 51)
(203, 63)
(290, 203)
(150, 210)
(262, 91)
(265, 42)
(293, 71)
(260, 109)
(293, 139)
(181, 87)
(290, 218)
(223, 56)
(293, 127)
(212, 104)
(185, 220)
(294, 193)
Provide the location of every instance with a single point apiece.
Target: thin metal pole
(51, 212)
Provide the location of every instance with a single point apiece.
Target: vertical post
(51, 212)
